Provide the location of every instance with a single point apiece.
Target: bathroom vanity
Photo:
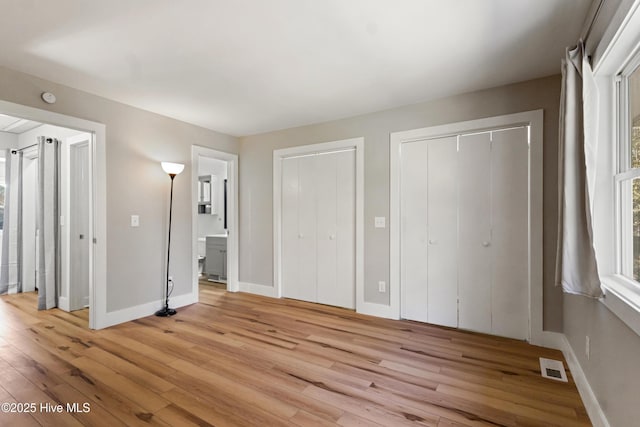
(215, 266)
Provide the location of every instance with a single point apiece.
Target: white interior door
(442, 209)
(429, 230)
(414, 231)
(464, 231)
(509, 177)
(299, 228)
(318, 228)
(336, 228)
(291, 286)
(474, 232)
(307, 223)
(79, 224)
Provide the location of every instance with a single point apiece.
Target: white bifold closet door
(464, 232)
(429, 238)
(318, 228)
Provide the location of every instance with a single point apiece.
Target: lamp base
(165, 312)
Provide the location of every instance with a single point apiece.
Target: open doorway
(215, 239)
(49, 218)
(212, 222)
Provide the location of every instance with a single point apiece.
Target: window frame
(624, 173)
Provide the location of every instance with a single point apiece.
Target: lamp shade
(172, 168)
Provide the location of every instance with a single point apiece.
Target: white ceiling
(16, 125)
(249, 66)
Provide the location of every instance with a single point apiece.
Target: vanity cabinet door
(215, 262)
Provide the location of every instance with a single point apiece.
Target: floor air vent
(553, 369)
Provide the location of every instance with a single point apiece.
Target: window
(628, 171)
(617, 236)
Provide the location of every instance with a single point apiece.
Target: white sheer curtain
(576, 266)
(47, 219)
(11, 261)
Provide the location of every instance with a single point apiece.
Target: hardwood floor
(244, 360)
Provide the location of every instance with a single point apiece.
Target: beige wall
(136, 141)
(612, 369)
(256, 154)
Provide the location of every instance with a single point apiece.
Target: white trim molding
(146, 309)
(278, 156)
(233, 270)
(98, 270)
(532, 118)
(591, 404)
(621, 296)
(257, 289)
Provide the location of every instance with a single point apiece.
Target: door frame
(324, 147)
(98, 289)
(233, 282)
(535, 120)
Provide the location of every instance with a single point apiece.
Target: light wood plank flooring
(244, 360)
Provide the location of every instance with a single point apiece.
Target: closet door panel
(344, 293)
(474, 232)
(326, 226)
(442, 219)
(413, 233)
(509, 177)
(290, 243)
(305, 286)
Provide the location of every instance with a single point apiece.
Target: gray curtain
(48, 220)
(11, 262)
(576, 266)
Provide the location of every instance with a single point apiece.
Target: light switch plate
(135, 220)
(380, 222)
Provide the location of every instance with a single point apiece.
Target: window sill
(622, 297)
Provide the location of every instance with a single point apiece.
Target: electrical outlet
(135, 220)
(380, 222)
(382, 286)
(587, 347)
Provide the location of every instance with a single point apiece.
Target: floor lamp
(172, 169)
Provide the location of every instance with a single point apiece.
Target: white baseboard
(586, 393)
(144, 310)
(378, 310)
(254, 288)
(554, 340)
(63, 303)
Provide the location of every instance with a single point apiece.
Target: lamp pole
(166, 311)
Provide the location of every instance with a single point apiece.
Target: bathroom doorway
(212, 224)
(215, 239)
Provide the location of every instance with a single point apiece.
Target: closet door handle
(300, 236)
(81, 236)
(332, 236)
(432, 241)
(486, 244)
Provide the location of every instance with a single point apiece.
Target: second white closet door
(474, 232)
(336, 228)
(464, 232)
(318, 228)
